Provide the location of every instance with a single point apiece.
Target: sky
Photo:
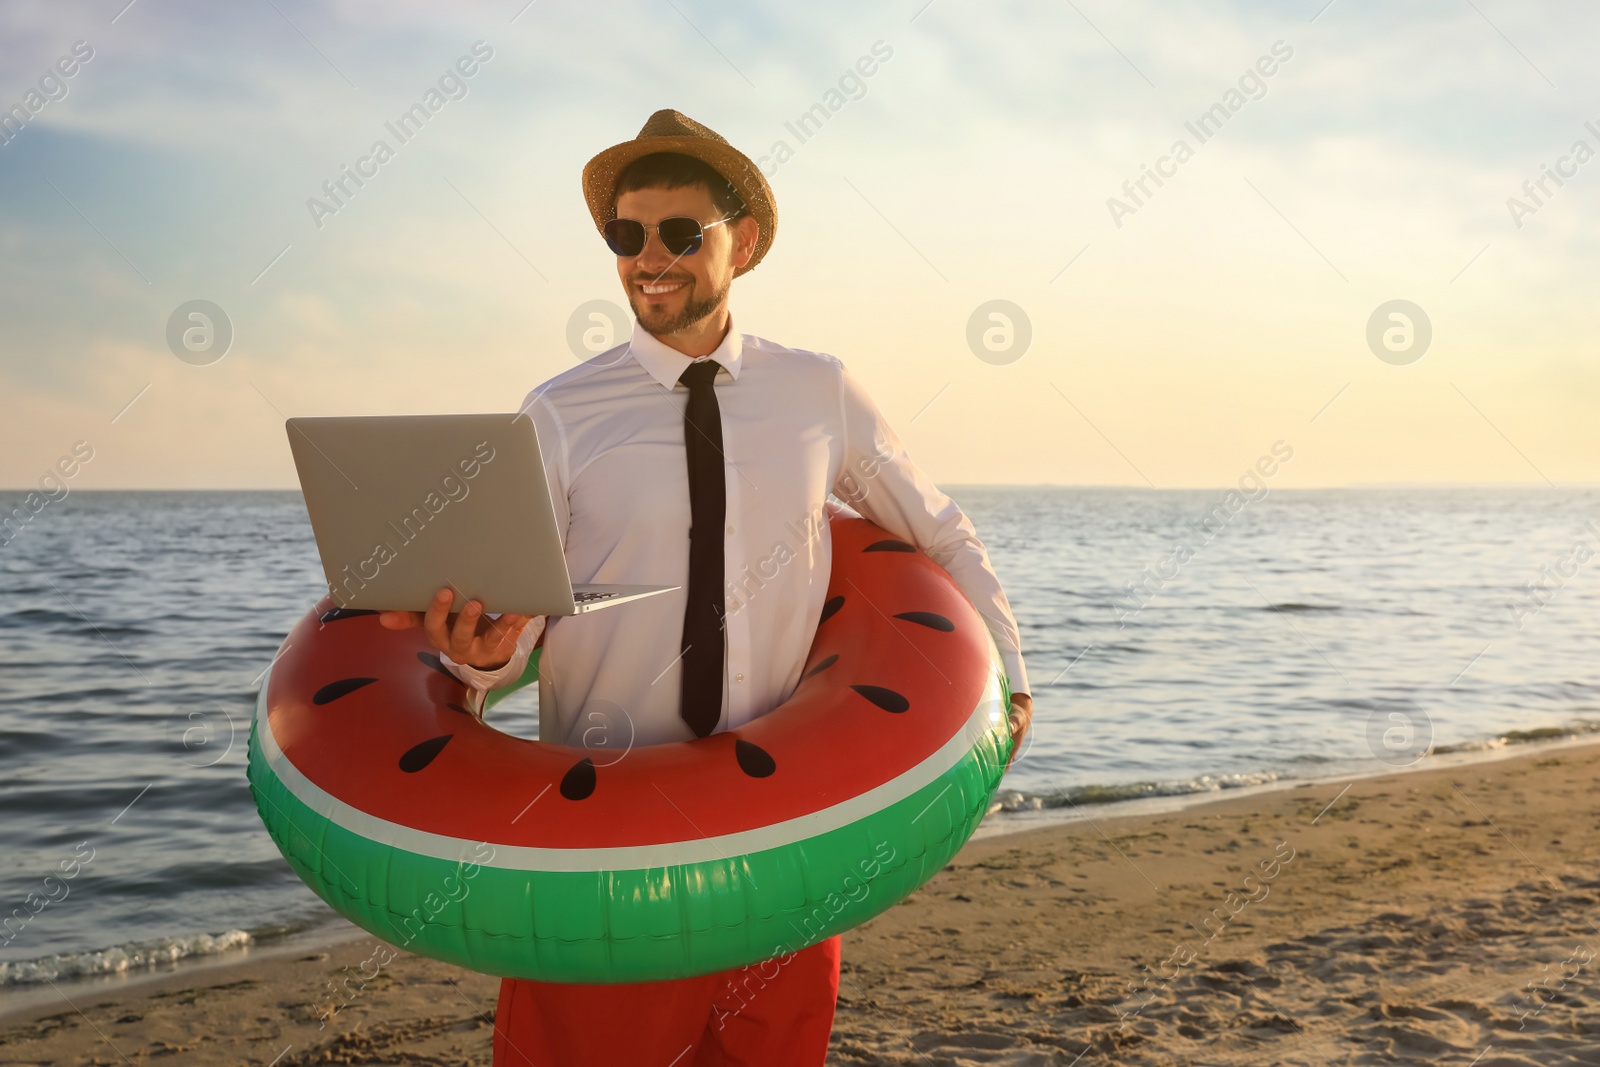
(1356, 154)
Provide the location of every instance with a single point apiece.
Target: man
(697, 456)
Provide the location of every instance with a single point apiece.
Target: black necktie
(701, 692)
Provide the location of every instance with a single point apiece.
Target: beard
(662, 322)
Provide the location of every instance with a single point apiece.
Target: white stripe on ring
(988, 715)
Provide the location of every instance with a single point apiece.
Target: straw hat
(673, 131)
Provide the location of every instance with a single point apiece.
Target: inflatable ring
(428, 828)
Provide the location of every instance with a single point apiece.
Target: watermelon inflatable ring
(427, 827)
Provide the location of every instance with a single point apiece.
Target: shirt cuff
(483, 680)
(1015, 673)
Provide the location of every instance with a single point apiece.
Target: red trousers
(778, 1013)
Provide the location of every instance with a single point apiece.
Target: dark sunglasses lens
(625, 236)
(680, 236)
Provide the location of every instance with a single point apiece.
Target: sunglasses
(680, 236)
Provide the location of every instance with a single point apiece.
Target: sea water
(1177, 642)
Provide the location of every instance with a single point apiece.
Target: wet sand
(1445, 916)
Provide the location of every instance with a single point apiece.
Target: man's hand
(467, 637)
(1021, 718)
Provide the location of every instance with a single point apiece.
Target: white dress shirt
(795, 427)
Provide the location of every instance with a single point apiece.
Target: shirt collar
(666, 365)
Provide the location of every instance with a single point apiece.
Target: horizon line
(947, 486)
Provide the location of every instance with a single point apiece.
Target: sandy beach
(1443, 916)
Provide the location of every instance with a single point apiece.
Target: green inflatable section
(633, 925)
(530, 674)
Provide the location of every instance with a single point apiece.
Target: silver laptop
(404, 505)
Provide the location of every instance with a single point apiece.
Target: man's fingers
(1018, 719)
(434, 622)
(511, 626)
(459, 636)
(500, 636)
(465, 631)
(1016, 746)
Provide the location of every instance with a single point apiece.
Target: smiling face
(675, 294)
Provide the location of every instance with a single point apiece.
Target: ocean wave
(1010, 800)
(1580, 728)
(121, 959)
(1295, 605)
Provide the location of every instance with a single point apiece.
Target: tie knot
(699, 374)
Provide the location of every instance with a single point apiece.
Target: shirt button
(738, 677)
(730, 529)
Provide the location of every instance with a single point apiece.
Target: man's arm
(879, 480)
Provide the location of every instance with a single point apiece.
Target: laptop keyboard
(590, 598)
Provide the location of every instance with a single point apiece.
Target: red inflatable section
(898, 665)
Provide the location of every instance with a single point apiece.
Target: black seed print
(334, 690)
(753, 759)
(890, 545)
(578, 782)
(432, 660)
(419, 756)
(345, 613)
(831, 608)
(887, 699)
(929, 619)
(822, 665)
